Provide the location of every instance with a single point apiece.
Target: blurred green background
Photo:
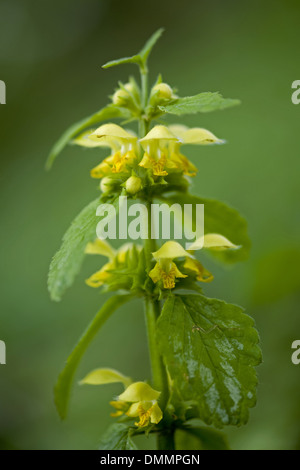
(50, 58)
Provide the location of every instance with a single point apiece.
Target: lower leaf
(117, 437)
(210, 349)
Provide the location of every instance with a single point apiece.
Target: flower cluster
(159, 152)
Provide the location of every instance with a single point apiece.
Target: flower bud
(107, 184)
(133, 185)
(122, 95)
(164, 91)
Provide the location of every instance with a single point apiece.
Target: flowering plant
(202, 350)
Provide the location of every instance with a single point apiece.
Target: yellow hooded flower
(193, 136)
(116, 259)
(165, 269)
(123, 146)
(139, 400)
(155, 145)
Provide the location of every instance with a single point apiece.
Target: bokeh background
(51, 54)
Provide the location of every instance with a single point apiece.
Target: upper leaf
(201, 103)
(117, 437)
(219, 218)
(144, 53)
(210, 348)
(109, 112)
(66, 263)
(140, 58)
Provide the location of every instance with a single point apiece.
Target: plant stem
(152, 306)
(165, 440)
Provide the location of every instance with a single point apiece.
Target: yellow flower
(156, 144)
(116, 259)
(165, 269)
(193, 136)
(123, 146)
(162, 148)
(139, 400)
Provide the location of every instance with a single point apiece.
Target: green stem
(144, 123)
(165, 440)
(152, 306)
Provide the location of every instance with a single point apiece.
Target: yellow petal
(116, 414)
(155, 273)
(170, 250)
(167, 272)
(99, 171)
(199, 136)
(139, 391)
(100, 277)
(196, 267)
(183, 164)
(111, 132)
(120, 406)
(213, 241)
(100, 247)
(134, 410)
(179, 130)
(105, 376)
(84, 141)
(155, 414)
(159, 133)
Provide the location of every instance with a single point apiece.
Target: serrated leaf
(194, 436)
(109, 112)
(66, 263)
(210, 348)
(117, 437)
(140, 58)
(201, 103)
(64, 383)
(219, 218)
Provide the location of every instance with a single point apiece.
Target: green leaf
(117, 437)
(210, 348)
(201, 103)
(135, 59)
(144, 53)
(109, 112)
(193, 436)
(67, 261)
(63, 386)
(140, 58)
(219, 218)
